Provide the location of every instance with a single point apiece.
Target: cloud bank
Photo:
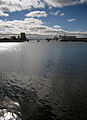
(29, 26)
(34, 27)
(19, 5)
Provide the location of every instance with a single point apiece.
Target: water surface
(43, 81)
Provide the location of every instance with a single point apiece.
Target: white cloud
(62, 3)
(62, 14)
(58, 3)
(28, 25)
(78, 33)
(34, 27)
(17, 26)
(3, 14)
(57, 26)
(55, 13)
(83, 1)
(19, 5)
(71, 20)
(36, 14)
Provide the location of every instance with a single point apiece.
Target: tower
(23, 36)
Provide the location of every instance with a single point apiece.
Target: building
(23, 36)
(67, 38)
(55, 38)
(14, 39)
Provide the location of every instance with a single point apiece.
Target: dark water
(43, 81)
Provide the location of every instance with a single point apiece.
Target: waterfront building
(23, 36)
(55, 38)
(67, 38)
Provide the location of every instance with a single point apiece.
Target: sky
(43, 17)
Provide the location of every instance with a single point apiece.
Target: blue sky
(45, 17)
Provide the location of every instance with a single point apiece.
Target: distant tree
(13, 37)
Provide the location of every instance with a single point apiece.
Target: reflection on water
(9, 110)
(43, 81)
(7, 46)
(4, 115)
